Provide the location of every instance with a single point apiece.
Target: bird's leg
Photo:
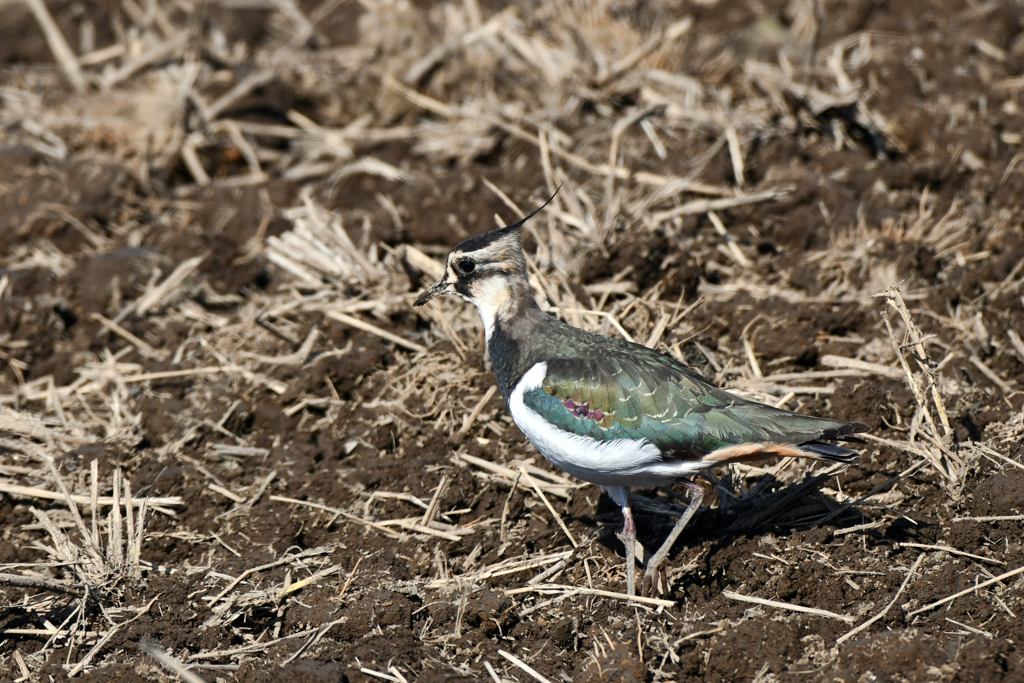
(628, 538)
(654, 573)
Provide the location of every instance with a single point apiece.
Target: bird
(612, 412)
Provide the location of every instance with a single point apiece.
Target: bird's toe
(654, 578)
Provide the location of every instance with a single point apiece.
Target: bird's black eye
(466, 266)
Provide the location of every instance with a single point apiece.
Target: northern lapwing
(612, 412)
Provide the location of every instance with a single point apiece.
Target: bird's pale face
(481, 270)
(479, 267)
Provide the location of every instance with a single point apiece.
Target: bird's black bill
(439, 288)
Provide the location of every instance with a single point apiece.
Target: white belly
(622, 462)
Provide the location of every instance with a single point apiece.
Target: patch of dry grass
(452, 86)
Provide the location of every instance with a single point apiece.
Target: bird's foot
(656, 577)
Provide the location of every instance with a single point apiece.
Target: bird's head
(485, 270)
(480, 267)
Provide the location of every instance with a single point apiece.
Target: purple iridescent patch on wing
(583, 410)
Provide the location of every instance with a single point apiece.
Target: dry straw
(448, 89)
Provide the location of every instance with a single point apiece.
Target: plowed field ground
(214, 217)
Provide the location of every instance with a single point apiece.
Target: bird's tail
(844, 433)
(751, 452)
(814, 449)
(817, 450)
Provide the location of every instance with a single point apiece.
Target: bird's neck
(512, 323)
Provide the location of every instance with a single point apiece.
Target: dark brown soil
(844, 233)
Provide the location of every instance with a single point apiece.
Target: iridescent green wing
(636, 393)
